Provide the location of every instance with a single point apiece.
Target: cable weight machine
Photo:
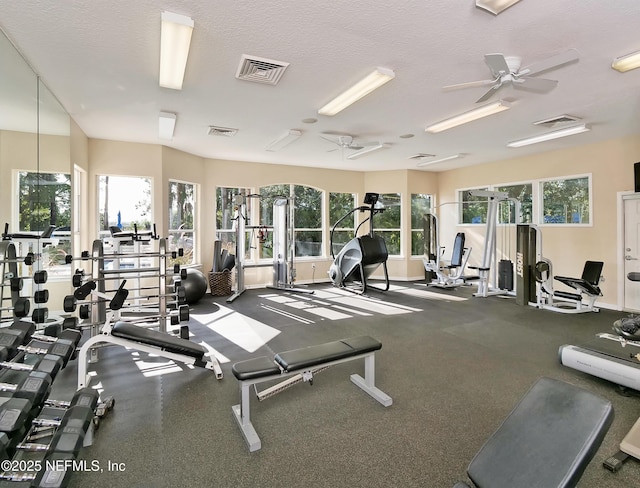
(283, 235)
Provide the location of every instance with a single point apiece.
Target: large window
(420, 205)
(387, 224)
(182, 214)
(44, 200)
(473, 209)
(566, 201)
(523, 193)
(124, 202)
(341, 204)
(226, 206)
(307, 208)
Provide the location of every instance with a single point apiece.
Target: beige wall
(610, 165)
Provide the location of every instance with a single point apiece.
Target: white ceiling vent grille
(260, 70)
(558, 120)
(221, 131)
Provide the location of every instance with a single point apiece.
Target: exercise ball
(195, 285)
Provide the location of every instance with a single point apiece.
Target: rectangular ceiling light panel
(175, 39)
(441, 160)
(284, 140)
(166, 125)
(365, 86)
(367, 150)
(627, 63)
(470, 116)
(548, 136)
(495, 6)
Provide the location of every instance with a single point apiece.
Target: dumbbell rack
(34, 246)
(9, 270)
(116, 274)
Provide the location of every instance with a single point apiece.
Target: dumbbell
(15, 417)
(40, 315)
(35, 387)
(39, 277)
(13, 336)
(84, 256)
(50, 364)
(20, 308)
(63, 346)
(28, 259)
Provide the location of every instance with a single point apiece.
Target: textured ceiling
(101, 60)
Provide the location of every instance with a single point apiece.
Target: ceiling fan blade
(542, 85)
(329, 139)
(492, 91)
(469, 84)
(550, 63)
(497, 64)
(365, 144)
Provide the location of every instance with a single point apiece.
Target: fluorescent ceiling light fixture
(470, 116)
(367, 150)
(166, 125)
(568, 131)
(284, 140)
(627, 63)
(365, 86)
(441, 160)
(175, 39)
(495, 6)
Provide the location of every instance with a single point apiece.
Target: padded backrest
(48, 232)
(458, 250)
(546, 441)
(592, 271)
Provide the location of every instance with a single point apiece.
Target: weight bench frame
(106, 337)
(242, 411)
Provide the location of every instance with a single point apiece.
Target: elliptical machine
(361, 256)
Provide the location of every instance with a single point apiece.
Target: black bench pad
(166, 342)
(310, 356)
(255, 368)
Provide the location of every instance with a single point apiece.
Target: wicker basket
(220, 283)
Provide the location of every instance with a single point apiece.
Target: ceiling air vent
(558, 120)
(421, 156)
(221, 131)
(260, 70)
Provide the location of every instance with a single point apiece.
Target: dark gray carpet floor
(454, 368)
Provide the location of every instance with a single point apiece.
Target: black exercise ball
(195, 285)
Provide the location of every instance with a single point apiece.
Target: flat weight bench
(547, 440)
(300, 365)
(150, 341)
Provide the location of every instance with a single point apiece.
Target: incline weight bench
(300, 365)
(150, 341)
(547, 440)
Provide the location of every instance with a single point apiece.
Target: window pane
(420, 205)
(181, 219)
(124, 202)
(307, 218)
(387, 223)
(44, 199)
(473, 209)
(524, 194)
(225, 215)
(340, 204)
(566, 201)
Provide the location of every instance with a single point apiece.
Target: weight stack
(505, 274)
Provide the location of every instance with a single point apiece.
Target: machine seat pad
(255, 368)
(547, 440)
(310, 356)
(166, 342)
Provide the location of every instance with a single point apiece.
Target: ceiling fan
(345, 142)
(507, 70)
